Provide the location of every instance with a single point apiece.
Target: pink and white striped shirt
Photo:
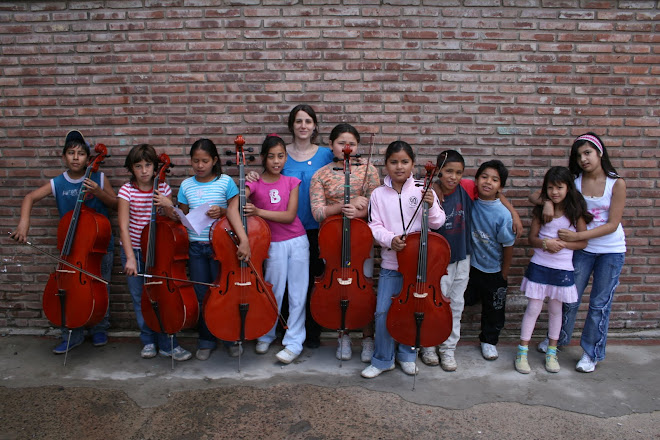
(139, 203)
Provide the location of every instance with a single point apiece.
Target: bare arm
(580, 244)
(21, 232)
(123, 213)
(615, 215)
(548, 208)
(234, 217)
(517, 223)
(507, 257)
(106, 195)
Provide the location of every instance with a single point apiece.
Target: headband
(593, 139)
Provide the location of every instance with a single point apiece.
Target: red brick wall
(512, 79)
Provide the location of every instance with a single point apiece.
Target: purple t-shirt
(275, 197)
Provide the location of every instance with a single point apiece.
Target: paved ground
(111, 393)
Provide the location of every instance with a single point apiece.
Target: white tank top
(599, 207)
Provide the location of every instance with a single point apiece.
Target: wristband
(545, 244)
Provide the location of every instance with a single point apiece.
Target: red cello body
(242, 307)
(420, 316)
(71, 298)
(343, 297)
(168, 305)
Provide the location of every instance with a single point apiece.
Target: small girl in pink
(274, 197)
(550, 271)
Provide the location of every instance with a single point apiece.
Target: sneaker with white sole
(429, 356)
(262, 347)
(148, 351)
(489, 351)
(543, 345)
(178, 354)
(586, 364)
(344, 351)
(408, 367)
(447, 361)
(203, 354)
(286, 356)
(370, 372)
(522, 363)
(235, 350)
(552, 362)
(367, 349)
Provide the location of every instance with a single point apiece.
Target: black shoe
(313, 342)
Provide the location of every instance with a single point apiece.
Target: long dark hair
(341, 129)
(312, 114)
(574, 165)
(271, 141)
(209, 147)
(573, 204)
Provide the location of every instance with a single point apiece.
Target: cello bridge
(420, 295)
(345, 282)
(65, 271)
(248, 283)
(153, 282)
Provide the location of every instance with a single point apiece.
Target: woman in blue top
(305, 157)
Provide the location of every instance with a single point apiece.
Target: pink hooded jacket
(390, 212)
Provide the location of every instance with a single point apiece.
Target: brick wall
(512, 79)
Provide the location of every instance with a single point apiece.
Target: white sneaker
(543, 345)
(286, 356)
(367, 349)
(409, 368)
(179, 353)
(203, 354)
(586, 364)
(429, 356)
(447, 361)
(148, 351)
(370, 372)
(344, 351)
(489, 351)
(236, 350)
(262, 347)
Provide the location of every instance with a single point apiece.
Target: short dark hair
(448, 156)
(496, 165)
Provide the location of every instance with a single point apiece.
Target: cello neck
(346, 222)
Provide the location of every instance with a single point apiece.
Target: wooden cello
(243, 306)
(72, 297)
(343, 297)
(169, 303)
(420, 315)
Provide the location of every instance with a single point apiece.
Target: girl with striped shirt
(209, 185)
(134, 210)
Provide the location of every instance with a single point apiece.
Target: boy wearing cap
(65, 188)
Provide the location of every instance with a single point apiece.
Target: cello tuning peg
(336, 159)
(250, 158)
(337, 169)
(229, 163)
(229, 152)
(249, 149)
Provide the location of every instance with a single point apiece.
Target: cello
(343, 297)
(242, 306)
(78, 297)
(420, 315)
(169, 303)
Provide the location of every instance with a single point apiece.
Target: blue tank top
(65, 190)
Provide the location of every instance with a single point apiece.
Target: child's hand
(517, 226)
(249, 209)
(252, 176)
(568, 235)
(216, 212)
(20, 234)
(548, 211)
(92, 186)
(349, 211)
(162, 201)
(360, 202)
(398, 243)
(429, 197)
(243, 251)
(553, 245)
(130, 269)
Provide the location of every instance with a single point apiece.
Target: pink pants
(534, 307)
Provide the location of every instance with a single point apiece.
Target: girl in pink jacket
(391, 208)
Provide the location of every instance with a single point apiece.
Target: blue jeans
(606, 269)
(390, 283)
(204, 268)
(135, 283)
(78, 334)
